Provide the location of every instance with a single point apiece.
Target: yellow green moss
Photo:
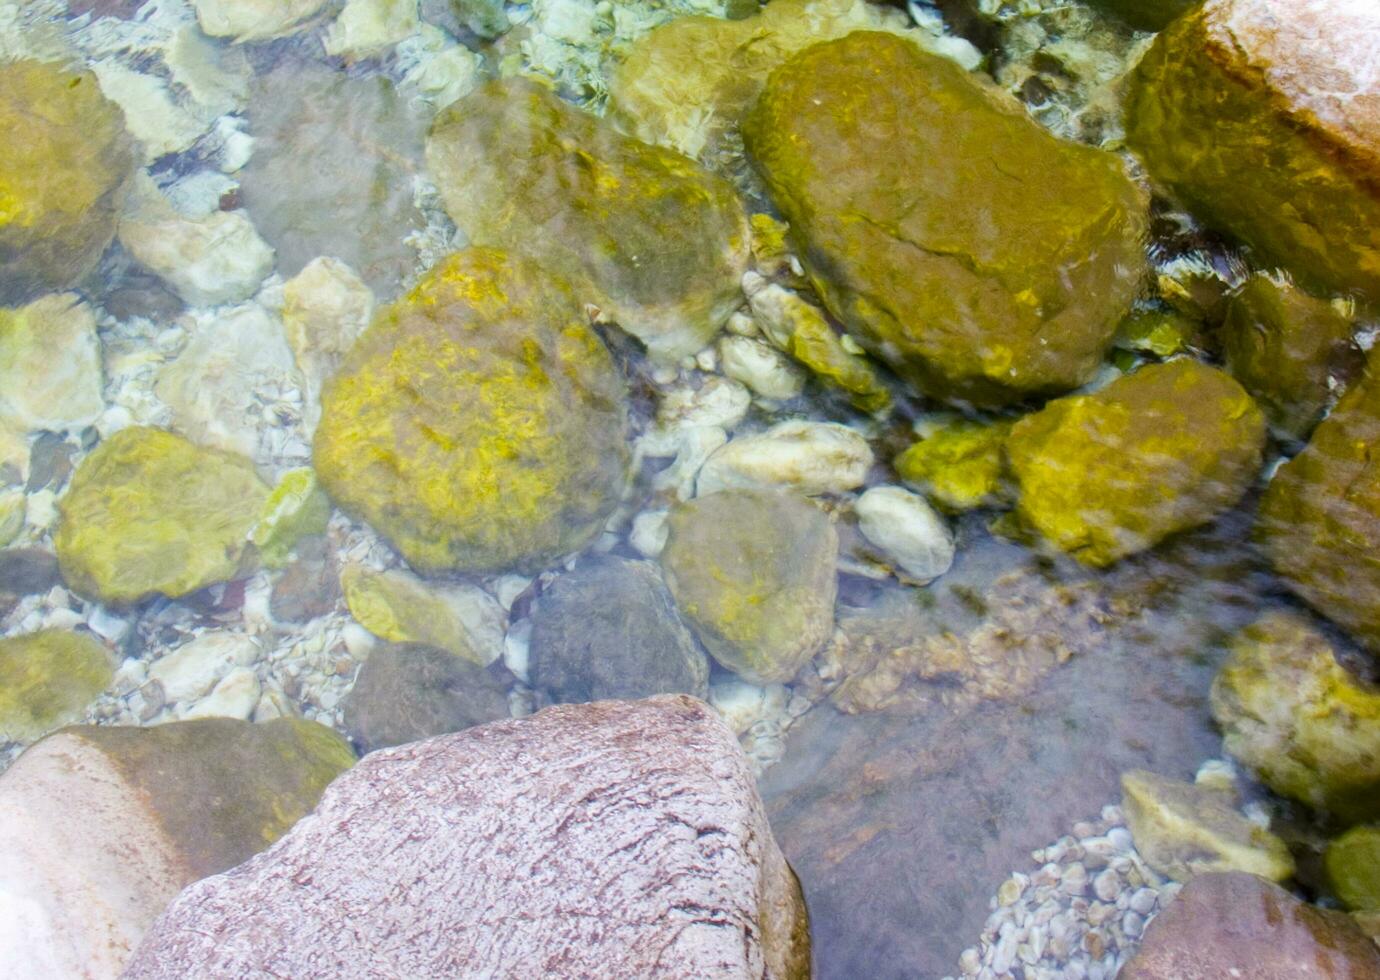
(1353, 868)
(295, 509)
(959, 466)
(46, 681)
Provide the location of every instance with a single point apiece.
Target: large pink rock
(613, 839)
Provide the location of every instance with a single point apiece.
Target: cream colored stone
(50, 365)
(367, 28)
(809, 457)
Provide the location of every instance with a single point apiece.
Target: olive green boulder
(150, 513)
(479, 422)
(1307, 726)
(297, 508)
(1319, 518)
(47, 679)
(958, 466)
(1265, 121)
(1161, 333)
(463, 621)
(1353, 868)
(1165, 449)
(752, 572)
(1287, 349)
(65, 161)
(1144, 15)
(980, 256)
(649, 237)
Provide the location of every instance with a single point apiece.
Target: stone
(483, 18)
(1183, 830)
(752, 571)
(154, 116)
(47, 679)
(610, 629)
(1289, 350)
(1025, 301)
(647, 236)
(1161, 333)
(235, 695)
(463, 620)
(408, 692)
(1261, 116)
(907, 530)
(325, 309)
(368, 28)
(1165, 449)
(1144, 15)
(1238, 925)
(195, 667)
(958, 466)
(62, 177)
(479, 424)
(255, 20)
(630, 836)
(808, 457)
(159, 808)
(11, 516)
(50, 365)
(764, 369)
(308, 587)
(1321, 510)
(1353, 868)
(296, 509)
(28, 571)
(148, 512)
(1301, 720)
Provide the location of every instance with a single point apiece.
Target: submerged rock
(907, 530)
(463, 620)
(1106, 475)
(479, 423)
(657, 243)
(296, 509)
(483, 18)
(613, 839)
(50, 365)
(1144, 15)
(958, 466)
(801, 455)
(1353, 868)
(1025, 300)
(150, 513)
(1261, 115)
(255, 20)
(46, 681)
(325, 309)
(67, 157)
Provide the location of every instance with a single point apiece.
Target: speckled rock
(629, 835)
(47, 679)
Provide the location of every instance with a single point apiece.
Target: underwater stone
(67, 157)
(1353, 868)
(196, 666)
(1144, 15)
(764, 369)
(983, 269)
(479, 423)
(254, 20)
(483, 18)
(798, 454)
(148, 512)
(50, 365)
(297, 508)
(463, 620)
(1263, 116)
(959, 465)
(908, 530)
(368, 28)
(649, 237)
(47, 679)
(325, 309)
(1165, 449)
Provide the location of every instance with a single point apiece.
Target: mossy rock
(47, 679)
(1144, 15)
(66, 159)
(401, 608)
(752, 571)
(297, 508)
(959, 466)
(1267, 126)
(1165, 449)
(1158, 332)
(1319, 518)
(1306, 725)
(148, 513)
(479, 423)
(1353, 868)
(652, 239)
(984, 268)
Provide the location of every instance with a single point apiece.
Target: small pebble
(1106, 885)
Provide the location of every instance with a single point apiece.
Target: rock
(325, 309)
(408, 692)
(753, 573)
(50, 365)
(908, 530)
(235, 696)
(296, 509)
(368, 28)
(1285, 93)
(309, 586)
(1237, 925)
(958, 466)
(1353, 868)
(463, 620)
(609, 629)
(361, 142)
(1162, 333)
(28, 571)
(808, 457)
(11, 515)
(1290, 711)
(483, 18)
(255, 20)
(196, 666)
(630, 835)
(1144, 15)
(1156, 452)
(149, 512)
(654, 241)
(160, 808)
(764, 369)
(1288, 350)
(68, 159)
(47, 679)
(154, 116)
(470, 443)
(986, 311)
(1183, 830)
(50, 462)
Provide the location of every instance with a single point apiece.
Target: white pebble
(1106, 885)
(235, 696)
(1132, 924)
(358, 640)
(1120, 838)
(1143, 901)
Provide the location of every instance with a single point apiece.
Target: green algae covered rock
(1158, 332)
(46, 681)
(753, 573)
(464, 621)
(1263, 116)
(66, 158)
(1319, 518)
(648, 236)
(1283, 346)
(150, 513)
(951, 235)
(479, 423)
(297, 508)
(1165, 449)
(1144, 15)
(1353, 868)
(958, 466)
(1309, 728)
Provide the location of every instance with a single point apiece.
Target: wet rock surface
(47, 679)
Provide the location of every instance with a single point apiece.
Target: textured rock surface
(612, 839)
(940, 254)
(1264, 117)
(47, 679)
(1353, 868)
(50, 365)
(1237, 925)
(907, 530)
(958, 466)
(798, 454)
(657, 243)
(479, 422)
